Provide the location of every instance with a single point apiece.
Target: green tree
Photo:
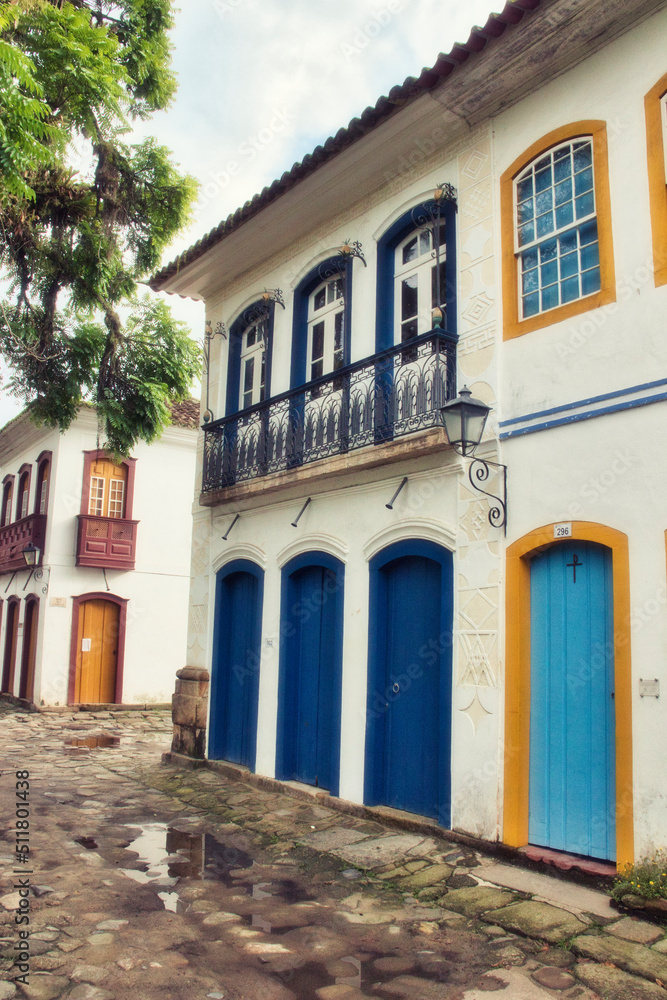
(85, 214)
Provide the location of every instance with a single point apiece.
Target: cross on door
(575, 562)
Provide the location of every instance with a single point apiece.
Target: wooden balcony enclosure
(106, 542)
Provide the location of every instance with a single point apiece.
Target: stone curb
(627, 955)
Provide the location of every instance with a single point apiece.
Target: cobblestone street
(150, 881)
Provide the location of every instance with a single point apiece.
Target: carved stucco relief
(478, 595)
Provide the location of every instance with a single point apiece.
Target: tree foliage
(85, 214)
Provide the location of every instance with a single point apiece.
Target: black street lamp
(31, 555)
(464, 419)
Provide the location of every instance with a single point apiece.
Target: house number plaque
(563, 530)
(649, 688)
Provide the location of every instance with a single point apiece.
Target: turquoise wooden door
(572, 717)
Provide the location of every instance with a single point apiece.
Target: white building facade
(102, 617)
(402, 650)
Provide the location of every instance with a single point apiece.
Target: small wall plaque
(85, 645)
(563, 530)
(649, 688)
(58, 602)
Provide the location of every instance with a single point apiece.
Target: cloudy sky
(262, 82)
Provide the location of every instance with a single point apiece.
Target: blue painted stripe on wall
(583, 402)
(587, 415)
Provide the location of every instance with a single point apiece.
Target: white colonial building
(101, 618)
(501, 223)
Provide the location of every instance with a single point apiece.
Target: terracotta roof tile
(186, 414)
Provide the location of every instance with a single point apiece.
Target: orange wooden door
(27, 680)
(97, 652)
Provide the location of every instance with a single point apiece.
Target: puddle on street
(82, 744)
(167, 855)
(304, 981)
(363, 975)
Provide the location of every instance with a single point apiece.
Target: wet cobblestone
(151, 881)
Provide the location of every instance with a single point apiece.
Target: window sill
(559, 314)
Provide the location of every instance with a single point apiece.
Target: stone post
(188, 713)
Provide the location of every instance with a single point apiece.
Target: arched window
(326, 323)
(42, 489)
(7, 493)
(24, 492)
(321, 322)
(556, 218)
(655, 106)
(416, 285)
(409, 282)
(253, 363)
(250, 353)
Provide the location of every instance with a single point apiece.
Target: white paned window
(415, 286)
(253, 364)
(556, 228)
(326, 323)
(24, 500)
(96, 501)
(116, 497)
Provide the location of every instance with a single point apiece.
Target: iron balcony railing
(385, 396)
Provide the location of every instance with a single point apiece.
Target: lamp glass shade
(31, 555)
(464, 419)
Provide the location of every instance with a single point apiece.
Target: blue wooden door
(314, 679)
(308, 747)
(572, 717)
(235, 676)
(409, 705)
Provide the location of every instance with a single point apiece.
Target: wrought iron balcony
(14, 538)
(106, 542)
(390, 394)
